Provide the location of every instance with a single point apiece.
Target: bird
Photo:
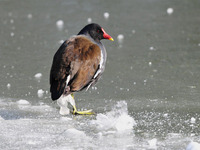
(78, 64)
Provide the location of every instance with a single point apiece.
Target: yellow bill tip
(111, 39)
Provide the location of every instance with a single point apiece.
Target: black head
(95, 31)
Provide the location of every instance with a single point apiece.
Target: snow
(89, 20)
(39, 126)
(152, 143)
(40, 93)
(23, 102)
(193, 146)
(8, 85)
(29, 16)
(60, 24)
(38, 75)
(117, 119)
(170, 11)
(106, 15)
(120, 39)
(192, 120)
(12, 34)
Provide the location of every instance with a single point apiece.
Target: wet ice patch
(115, 120)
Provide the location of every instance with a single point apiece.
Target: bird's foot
(85, 112)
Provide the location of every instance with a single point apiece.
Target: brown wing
(77, 58)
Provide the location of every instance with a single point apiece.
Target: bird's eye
(98, 31)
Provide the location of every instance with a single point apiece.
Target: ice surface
(29, 126)
(193, 146)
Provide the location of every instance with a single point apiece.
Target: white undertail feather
(63, 103)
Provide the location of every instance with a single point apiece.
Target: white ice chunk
(117, 119)
(60, 24)
(152, 143)
(170, 11)
(12, 34)
(11, 21)
(40, 93)
(192, 120)
(89, 20)
(8, 85)
(151, 48)
(23, 102)
(193, 146)
(29, 16)
(120, 38)
(38, 75)
(165, 115)
(61, 41)
(106, 15)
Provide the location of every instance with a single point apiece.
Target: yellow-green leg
(75, 112)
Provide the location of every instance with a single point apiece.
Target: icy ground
(27, 126)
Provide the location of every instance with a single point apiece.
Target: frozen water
(8, 85)
(192, 120)
(38, 75)
(89, 20)
(41, 127)
(106, 15)
(23, 102)
(116, 120)
(60, 24)
(61, 41)
(152, 143)
(12, 34)
(193, 146)
(120, 39)
(170, 11)
(40, 93)
(29, 16)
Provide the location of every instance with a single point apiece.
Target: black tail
(57, 89)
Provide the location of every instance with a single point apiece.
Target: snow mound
(115, 120)
(193, 146)
(23, 102)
